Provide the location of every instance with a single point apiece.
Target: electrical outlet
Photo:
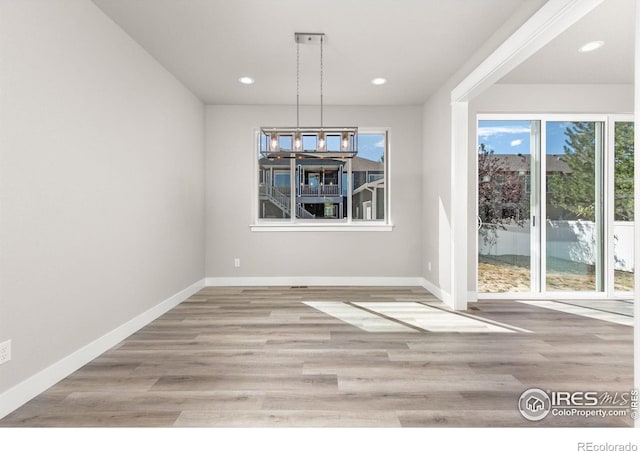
(5, 351)
(236, 262)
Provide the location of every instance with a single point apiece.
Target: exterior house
(368, 189)
(321, 188)
(511, 176)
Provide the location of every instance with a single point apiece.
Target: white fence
(567, 240)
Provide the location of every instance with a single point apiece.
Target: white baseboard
(313, 281)
(550, 296)
(18, 395)
(330, 281)
(436, 291)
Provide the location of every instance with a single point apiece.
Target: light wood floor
(262, 357)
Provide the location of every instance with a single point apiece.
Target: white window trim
(343, 227)
(329, 225)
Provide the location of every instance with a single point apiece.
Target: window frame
(348, 223)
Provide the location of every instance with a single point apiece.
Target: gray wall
(436, 198)
(101, 181)
(231, 170)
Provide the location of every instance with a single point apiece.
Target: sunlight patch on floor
(431, 319)
(621, 307)
(362, 319)
(586, 310)
(404, 317)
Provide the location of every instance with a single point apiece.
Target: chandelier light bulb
(274, 141)
(321, 142)
(298, 141)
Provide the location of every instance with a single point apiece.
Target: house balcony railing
(282, 193)
(319, 190)
(277, 197)
(283, 201)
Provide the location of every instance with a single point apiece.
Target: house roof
(374, 184)
(358, 164)
(362, 164)
(284, 162)
(522, 163)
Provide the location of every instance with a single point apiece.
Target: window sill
(301, 227)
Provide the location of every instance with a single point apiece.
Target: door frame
(610, 214)
(553, 18)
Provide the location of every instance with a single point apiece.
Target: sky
(513, 137)
(370, 146)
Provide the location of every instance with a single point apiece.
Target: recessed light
(246, 80)
(591, 46)
(378, 81)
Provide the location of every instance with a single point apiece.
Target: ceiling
(560, 61)
(208, 44)
(416, 44)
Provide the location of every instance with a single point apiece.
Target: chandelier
(309, 142)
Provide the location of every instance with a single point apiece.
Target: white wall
(436, 203)
(231, 171)
(536, 98)
(550, 98)
(101, 181)
(436, 198)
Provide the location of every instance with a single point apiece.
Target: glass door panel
(574, 206)
(623, 242)
(504, 205)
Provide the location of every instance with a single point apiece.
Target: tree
(501, 195)
(624, 171)
(500, 190)
(574, 191)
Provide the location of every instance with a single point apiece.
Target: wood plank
(260, 356)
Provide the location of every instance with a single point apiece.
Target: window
(329, 191)
(368, 169)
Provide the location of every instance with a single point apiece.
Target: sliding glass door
(621, 136)
(574, 212)
(504, 206)
(555, 205)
